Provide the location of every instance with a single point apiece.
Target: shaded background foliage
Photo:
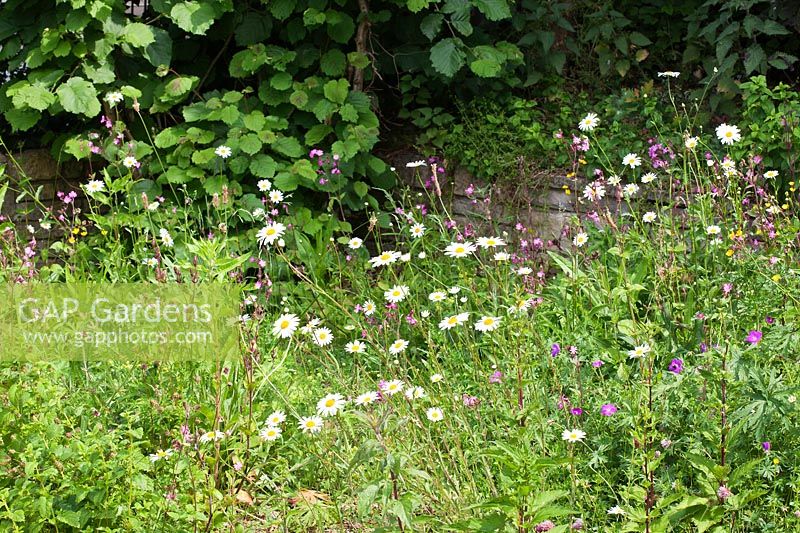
(275, 79)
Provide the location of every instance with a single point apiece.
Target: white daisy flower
(669, 74)
(322, 336)
(691, 142)
(331, 404)
(630, 190)
(264, 185)
(450, 322)
(276, 418)
(490, 242)
(589, 122)
(713, 229)
(415, 393)
(166, 238)
(770, 174)
(310, 424)
(369, 307)
(398, 346)
(728, 134)
(385, 258)
(415, 164)
(95, 186)
(639, 351)
(487, 323)
(502, 256)
(275, 196)
(580, 239)
(631, 160)
(396, 294)
(355, 243)
(114, 97)
(285, 326)
(366, 398)
(459, 249)
(161, 454)
(212, 436)
(417, 230)
(573, 435)
(393, 387)
(436, 378)
(130, 162)
(355, 346)
(649, 217)
(270, 233)
(434, 414)
(650, 176)
(223, 151)
(270, 433)
(614, 180)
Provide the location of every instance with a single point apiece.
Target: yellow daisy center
(330, 403)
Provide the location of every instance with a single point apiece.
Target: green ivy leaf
(263, 166)
(446, 56)
(78, 96)
(193, 17)
(336, 90)
(138, 35)
(494, 9)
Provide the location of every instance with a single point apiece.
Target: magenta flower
(497, 377)
(754, 337)
(555, 349)
(608, 409)
(766, 446)
(597, 363)
(576, 411)
(676, 366)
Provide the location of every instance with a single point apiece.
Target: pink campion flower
(470, 190)
(576, 411)
(450, 224)
(754, 337)
(726, 288)
(519, 227)
(496, 377)
(723, 493)
(546, 525)
(316, 152)
(608, 409)
(470, 401)
(410, 318)
(597, 363)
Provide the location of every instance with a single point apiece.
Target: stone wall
(41, 176)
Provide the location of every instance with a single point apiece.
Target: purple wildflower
(676, 366)
(754, 337)
(608, 409)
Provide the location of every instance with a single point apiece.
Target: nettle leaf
(431, 25)
(446, 56)
(263, 166)
(78, 96)
(336, 90)
(754, 58)
(494, 9)
(348, 113)
(193, 17)
(333, 62)
(138, 35)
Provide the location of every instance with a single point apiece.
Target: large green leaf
(447, 57)
(494, 9)
(78, 96)
(193, 17)
(138, 35)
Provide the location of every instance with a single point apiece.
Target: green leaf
(286, 181)
(78, 148)
(168, 137)
(336, 90)
(193, 17)
(639, 40)
(288, 146)
(358, 59)
(342, 30)
(22, 119)
(753, 59)
(333, 63)
(415, 6)
(317, 133)
(348, 113)
(281, 9)
(78, 96)
(299, 99)
(446, 56)
(360, 188)
(771, 27)
(33, 96)
(281, 81)
(255, 121)
(250, 144)
(263, 166)
(431, 25)
(494, 9)
(485, 68)
(138, 35)
(253, 29)
(159, 52)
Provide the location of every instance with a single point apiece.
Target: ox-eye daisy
(434, 414)
(459, 249)
(580, 239)
(589, 122)
(323, 336)
(398, 346)
(487, 323)
(452, 321)
(728, 134)
(437, 296)
(310, 424)
(573, 435)
(491, 242)
(639, 351)
(271, 433)
(285, 325)
(393, 387)
(369, 307)
(385, 258)
(396, 294)
(631, 160)
(330, 404)
(355, 346)
(276, 418)
(366, 398)
(417, 230)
